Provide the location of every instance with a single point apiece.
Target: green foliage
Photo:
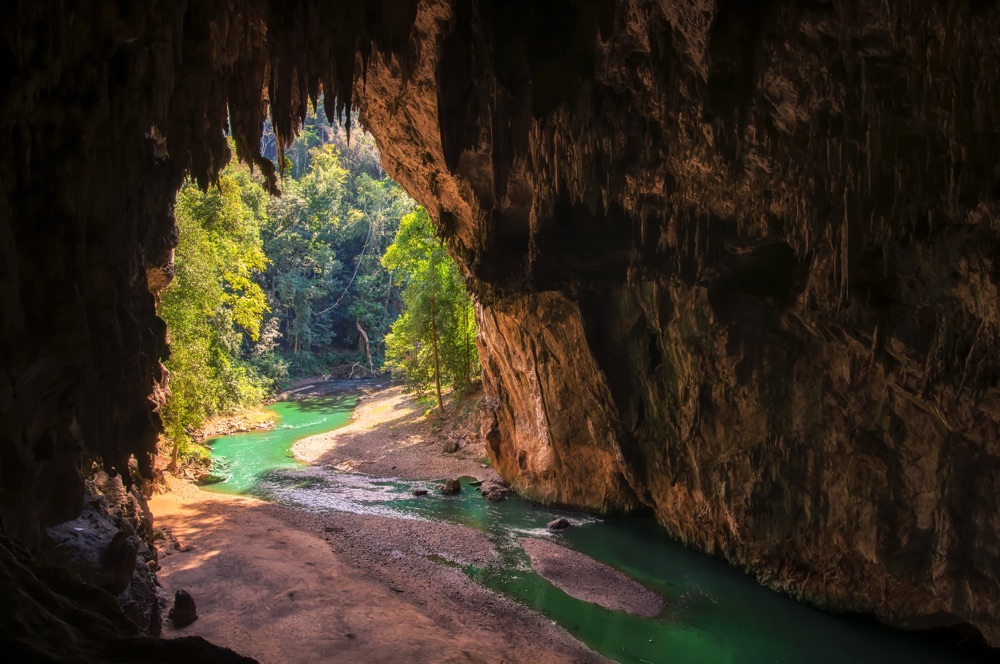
(438, 317)
(324, 238)
(214, 308)
(269, 290)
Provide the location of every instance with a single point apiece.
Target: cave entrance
(517, 123)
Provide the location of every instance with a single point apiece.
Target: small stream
(713, 613)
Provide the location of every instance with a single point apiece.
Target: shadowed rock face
(736, 262)
(738, 265)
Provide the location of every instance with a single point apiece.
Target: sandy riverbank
(390, 436)
(283, 585)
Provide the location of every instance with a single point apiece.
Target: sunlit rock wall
(736, 262)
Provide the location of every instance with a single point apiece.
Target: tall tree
(214, 307)
(432, 342)
(330, 293)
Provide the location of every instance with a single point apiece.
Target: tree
(214, 308)
(432, 342)
(326, 284)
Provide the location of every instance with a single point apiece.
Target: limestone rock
(711, 282)
(110, 546)
(451, 487)
(183, 612)
(494, 491)
(558, 525)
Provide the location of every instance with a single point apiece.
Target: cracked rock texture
(736, 262)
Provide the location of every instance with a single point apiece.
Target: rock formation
(736, 261)
(110, 545)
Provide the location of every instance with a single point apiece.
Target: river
(713, 613)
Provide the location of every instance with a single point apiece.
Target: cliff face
(736, 261)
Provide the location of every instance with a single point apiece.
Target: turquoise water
(713, 612)
(243, 458)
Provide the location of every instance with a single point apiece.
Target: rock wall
(105, 107)
(110, 545)
(736, 262)
(49, 616)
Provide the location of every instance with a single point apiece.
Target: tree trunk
(368, 349)
(434, 340)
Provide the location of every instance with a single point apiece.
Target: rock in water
(451, 487)
(419, 492)
(183, 613)
(558, 525)
(494, 491)
(206, 479)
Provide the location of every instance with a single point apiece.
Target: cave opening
(719, 253)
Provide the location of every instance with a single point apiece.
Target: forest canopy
(341, 274)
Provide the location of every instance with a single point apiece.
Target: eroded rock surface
(110, 545)
(736, 262)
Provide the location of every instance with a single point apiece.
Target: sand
(583, 577)
(283, 585)
(389, 436)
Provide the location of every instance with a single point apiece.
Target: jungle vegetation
(342, 274)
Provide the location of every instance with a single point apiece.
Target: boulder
(495, 496)
(558, 525)
(183, 613)
(451, 487)
(494, 490)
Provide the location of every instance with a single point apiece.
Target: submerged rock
(184, 612)
(206, 479)
(451, 487)
(419, 492)
(494, 491)
(558, 525)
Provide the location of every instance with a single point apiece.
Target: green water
(713, 612)
(244, 458)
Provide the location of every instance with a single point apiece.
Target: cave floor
(284, 585)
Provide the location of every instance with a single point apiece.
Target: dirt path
(282, 585)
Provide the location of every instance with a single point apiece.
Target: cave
(736, 263)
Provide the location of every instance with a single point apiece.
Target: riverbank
(284, 585)
(393, 435)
